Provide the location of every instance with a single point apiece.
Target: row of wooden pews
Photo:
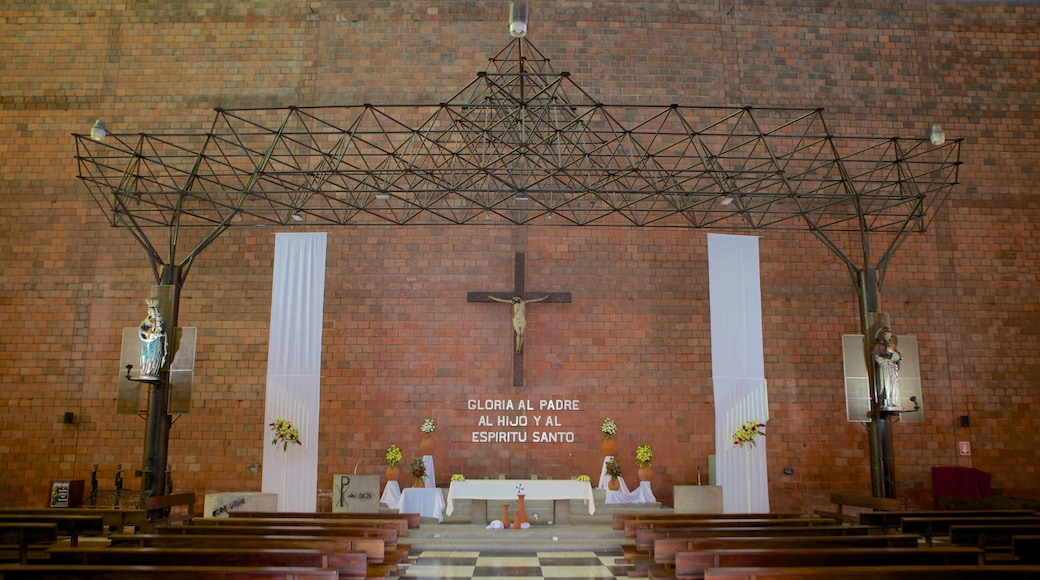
(782, 546)
(245, 545)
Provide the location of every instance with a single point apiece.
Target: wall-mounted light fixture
(937, 136)
(517, 20)
(98, 131)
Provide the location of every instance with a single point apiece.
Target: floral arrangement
(284, 434)
(614, 468)
(419, 469)
(584, 478)
(393, 455)
(458, 477)
(428, 425)
(747, 433)
(609, 427)
(644, 454)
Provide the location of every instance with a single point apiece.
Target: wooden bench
(930, 527)
(399, 526)
(176, 508)
(841, 501)
(692, 564)
(349, 565)
(111, 572)
(875, 572)
(893, 520)
(1026, 547)
(115, 519)
(666, 548)
(633, 527)
(72, 526)
(21, 538)
(990, 536)
(373, 548)
(412, 519)
(618, 519)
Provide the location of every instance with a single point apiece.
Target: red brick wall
(401, 343)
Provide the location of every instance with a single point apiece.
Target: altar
(559, 491)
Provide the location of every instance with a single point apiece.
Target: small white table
(641, 494)
(391, 495)
(427, 502)
(560, 491)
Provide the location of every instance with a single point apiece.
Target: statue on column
(153, 342)
(886, 363)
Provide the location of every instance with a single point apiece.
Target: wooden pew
(373, 548)
(990, 537)
(59, 572)
(666, 548)
(930, 527)
(841, 501)
(399, 526)
(632, 527)
(72, 526)
(1026, 547)
(692, 564)
(349, 565)
(115, 519)
(21, 538)
(412, 519)
(875, 572)
(178, 507)
(893, 520)
(618, 520)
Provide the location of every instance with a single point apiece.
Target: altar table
(560, 491)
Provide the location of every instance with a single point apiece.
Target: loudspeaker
(68, 418)
(965, 421)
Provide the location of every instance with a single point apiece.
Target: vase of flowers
(419, 472)
(609, 430)
(393, 457)
(285, 434)
(745, 437)
(644, 455)
(426, 445)
(614, 471)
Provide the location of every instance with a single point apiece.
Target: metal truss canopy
(522, 145)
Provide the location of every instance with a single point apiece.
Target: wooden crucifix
(518, 299)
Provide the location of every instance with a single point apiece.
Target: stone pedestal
(220, 504)
(698, 499)
(355, 493)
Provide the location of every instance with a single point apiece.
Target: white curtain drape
(738, 369)
(294, 368)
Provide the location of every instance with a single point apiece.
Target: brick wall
(401, 343)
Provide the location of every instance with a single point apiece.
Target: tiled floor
(599, 564)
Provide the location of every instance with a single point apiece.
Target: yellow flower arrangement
(393, 455)
(458, 477)
(644, 454)
(584, 478)
(284, 434)
(747, 433)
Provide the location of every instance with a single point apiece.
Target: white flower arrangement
(609, 427)
(428, 425)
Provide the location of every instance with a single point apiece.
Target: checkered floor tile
(590, 565)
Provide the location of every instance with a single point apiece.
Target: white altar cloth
(428, 503)
(642, 494)
(533, 490)
(391, 495)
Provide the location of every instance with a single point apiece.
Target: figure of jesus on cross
(519, 316)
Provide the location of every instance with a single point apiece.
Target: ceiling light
(296, 216)
(522, 197)
(937, 136)
(517, 20)
(382, 196)
(726, 201)
(98, 131)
